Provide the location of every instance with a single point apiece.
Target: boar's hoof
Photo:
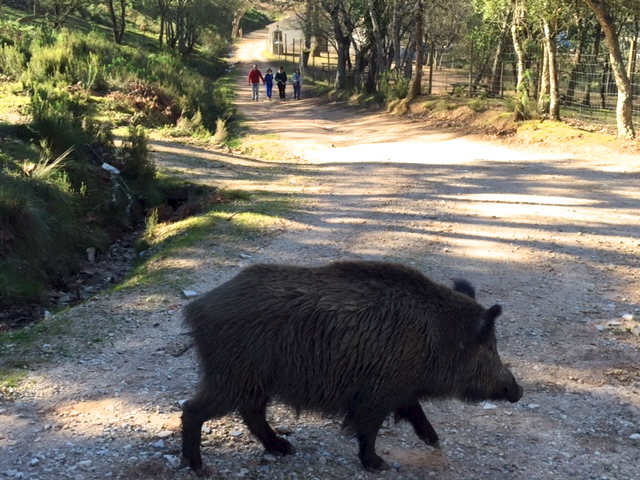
(375, 464)
(198, 470)
(434, 444)
(280, 447)
(431, 438)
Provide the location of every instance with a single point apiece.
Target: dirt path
(553, 236)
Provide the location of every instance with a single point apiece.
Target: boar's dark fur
(359, 339)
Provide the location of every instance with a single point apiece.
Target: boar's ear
(464, 287)
(487, 322)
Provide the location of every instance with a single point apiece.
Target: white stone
(110, 168)
(189, 293)
(489, 406)
(173, 460)
(635, 436)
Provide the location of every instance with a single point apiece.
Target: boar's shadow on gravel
(359, 339)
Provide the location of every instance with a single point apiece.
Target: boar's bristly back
(336, 329)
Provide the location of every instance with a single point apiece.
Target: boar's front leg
(367, 426)
(256, 419)
(414, 414)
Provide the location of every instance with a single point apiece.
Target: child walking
(268, 81)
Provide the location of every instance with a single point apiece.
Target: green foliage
(55, 198)
(478, 105)
(222, 134)
(191, 126)
(151, 223)
(133, 159)
(393, 86)
(58, 117)
(12, 60)
(38, 215)
(254, 20)
(525, 105)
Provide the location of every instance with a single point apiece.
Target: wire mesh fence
(587, 89)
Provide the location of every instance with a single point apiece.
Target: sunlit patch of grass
(552, 131)
(11, 377)
(243, 216)
(13, 98)
(266, 146)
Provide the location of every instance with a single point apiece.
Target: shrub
(38, 216)
(12, 60)
(222, 134)
(394, 86)
(58, 117)
(478, 105)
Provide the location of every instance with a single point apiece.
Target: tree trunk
(522, 89)
(496, 79)
(370, 82)
(395, 32)
(577, 61)
(432, 48)
(592, 73)
(377, 37)
(549, 29)
(118, 20)
(416, 86)
(408, 62)
(235, 22)
(624, 108)
(543, 81)
(633, 51)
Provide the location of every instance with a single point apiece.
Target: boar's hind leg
(414, 414)
(366, 433)
(256, 419)
(194, 413)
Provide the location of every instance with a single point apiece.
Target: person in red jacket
(254, 80)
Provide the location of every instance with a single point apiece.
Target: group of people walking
(255, 77)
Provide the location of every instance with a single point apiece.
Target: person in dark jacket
(281, 79)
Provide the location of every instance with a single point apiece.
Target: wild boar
(355, 338)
